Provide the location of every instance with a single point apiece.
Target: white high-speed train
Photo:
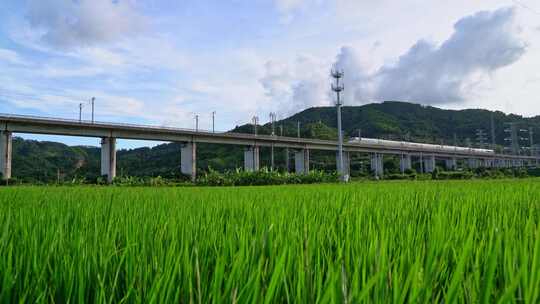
(418, 146)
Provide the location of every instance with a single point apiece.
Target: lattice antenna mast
(255, 121)
(513, 138)
(525, 141)
(493, 138)
(338, 87)
(531, 141)
(273, 121)
(481, 138)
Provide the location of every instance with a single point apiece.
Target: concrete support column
(482, 163)
(429, 163)
(405, 163)
(188, 160)
(301, 161)
(251, 159)
(473, 163)
(108, 158)
(346, 164)
(287, 160)
(377, 164)
(6, 144)
(451, 164)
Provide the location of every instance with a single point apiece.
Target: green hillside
(48, 161)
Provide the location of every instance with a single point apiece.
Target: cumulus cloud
(276, 80)
(428, 73)
(68, 23)
(447, 73)
(296, 85)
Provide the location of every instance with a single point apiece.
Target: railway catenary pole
(80, 112)
(213, 121)
(93, 101)
(531, 142)
(255, 121)
(272, 121)
(493, 139)
(338, 88)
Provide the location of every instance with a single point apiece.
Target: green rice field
(387, 242)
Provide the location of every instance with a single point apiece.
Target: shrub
(263, 177)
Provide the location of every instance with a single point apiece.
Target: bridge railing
(104, 123)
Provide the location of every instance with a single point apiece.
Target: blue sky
(162, 62)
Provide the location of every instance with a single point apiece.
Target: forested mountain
(47, 161)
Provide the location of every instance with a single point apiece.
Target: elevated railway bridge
(109, 133)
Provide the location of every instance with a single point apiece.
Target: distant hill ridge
(390, 120)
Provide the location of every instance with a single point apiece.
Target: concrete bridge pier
(429, 163)
(301, 161)
(377, 165)
(6, 144)
(482, 163)
(472, 163)
(287, 160)
(405, 163)
(188, 165)
(451, 164)
(346, 164)
(108, 158)
(251, 159)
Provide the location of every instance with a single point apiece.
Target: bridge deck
(55, 126)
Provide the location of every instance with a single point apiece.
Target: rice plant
(390, 242)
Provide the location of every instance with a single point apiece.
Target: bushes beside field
(268, 177)
(481, 173)
(264, 177)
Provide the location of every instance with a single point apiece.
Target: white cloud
(451, 72)
(69, 24)
(277, 79)
(480, 45)
(289, 5)
(289, 9)
(11, 57)
(296, 85)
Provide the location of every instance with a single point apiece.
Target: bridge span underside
(300, 147)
